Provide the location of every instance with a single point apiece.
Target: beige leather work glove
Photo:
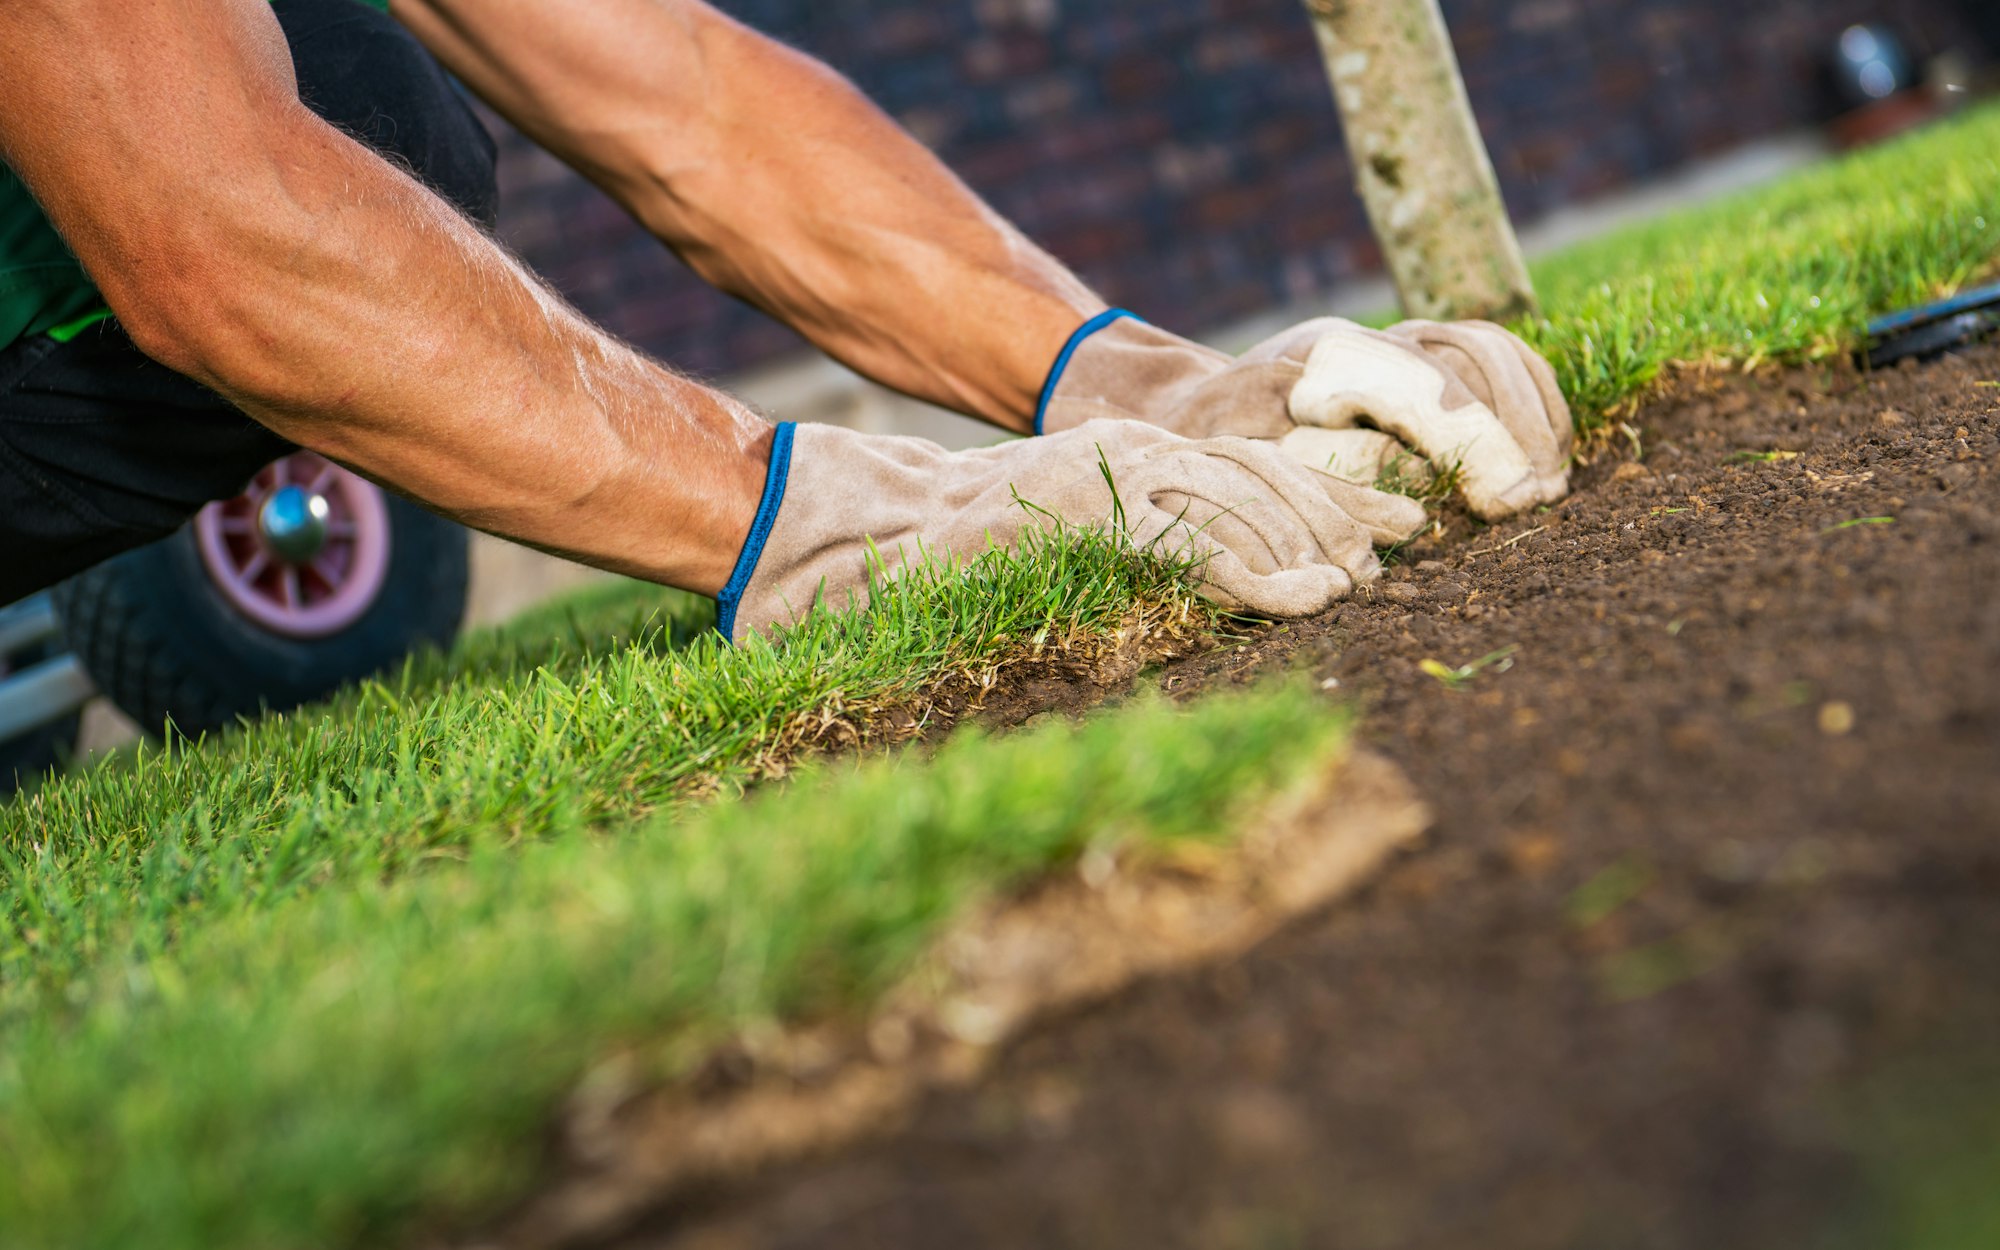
(1339, 397)
(1275, 538)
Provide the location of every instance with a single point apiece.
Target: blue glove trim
(1083, 332)
(760, 531)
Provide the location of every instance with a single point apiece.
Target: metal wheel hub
(303, 552)
(292, 523)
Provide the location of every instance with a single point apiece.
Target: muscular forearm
(779, 182)
(254, 248)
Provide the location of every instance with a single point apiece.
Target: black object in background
(1983, 16)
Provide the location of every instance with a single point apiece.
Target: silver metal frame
(45, 691)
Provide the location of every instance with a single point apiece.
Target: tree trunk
(1419, 162)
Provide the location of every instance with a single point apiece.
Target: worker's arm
(247, 244)
(778, 182)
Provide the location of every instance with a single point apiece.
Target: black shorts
(101, 448)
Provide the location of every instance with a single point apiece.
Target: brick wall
(1184, 155)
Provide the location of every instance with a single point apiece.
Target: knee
(362, 72)
(73, 493)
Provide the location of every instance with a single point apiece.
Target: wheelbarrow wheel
(310, 580)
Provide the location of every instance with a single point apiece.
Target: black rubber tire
(25, 758)
(39, 751)
(163, 644)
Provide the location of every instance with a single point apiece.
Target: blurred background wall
(1184, 155)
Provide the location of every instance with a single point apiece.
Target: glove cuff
(1084, 331)
(760, 531)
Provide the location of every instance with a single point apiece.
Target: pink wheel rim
(289, 591)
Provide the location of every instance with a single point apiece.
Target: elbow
(202, 279)
(207, 303)
(207, 334)
(163, 320)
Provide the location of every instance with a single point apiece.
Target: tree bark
(1419, 162)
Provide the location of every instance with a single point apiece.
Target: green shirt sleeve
(41, 284)
(43, 290)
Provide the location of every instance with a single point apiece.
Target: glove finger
(1348, 463)
(1285, 594)
(1554, 405)
(1356, 455)
(1356, 374)
(1493, 365)
(1248, 398)
(1389, 518)
(1561, 422)
(1255, 529)
(1282, 500)
(1258, 536)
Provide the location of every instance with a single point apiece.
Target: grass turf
(315, 1070)
(118, 862)
(232, 1012)
(1789, 272)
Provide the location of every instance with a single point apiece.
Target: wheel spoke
(322, 592)
(327, 574)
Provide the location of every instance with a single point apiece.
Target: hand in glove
(1340, 397)
(1273, 538)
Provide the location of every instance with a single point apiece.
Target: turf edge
(321, 1070)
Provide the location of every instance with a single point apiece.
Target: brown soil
(1705, 947)
(623, 1150)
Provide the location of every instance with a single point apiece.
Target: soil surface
(1704, 949)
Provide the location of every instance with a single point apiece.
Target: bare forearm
(346, 307)
(778, 182)
(395, 337)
